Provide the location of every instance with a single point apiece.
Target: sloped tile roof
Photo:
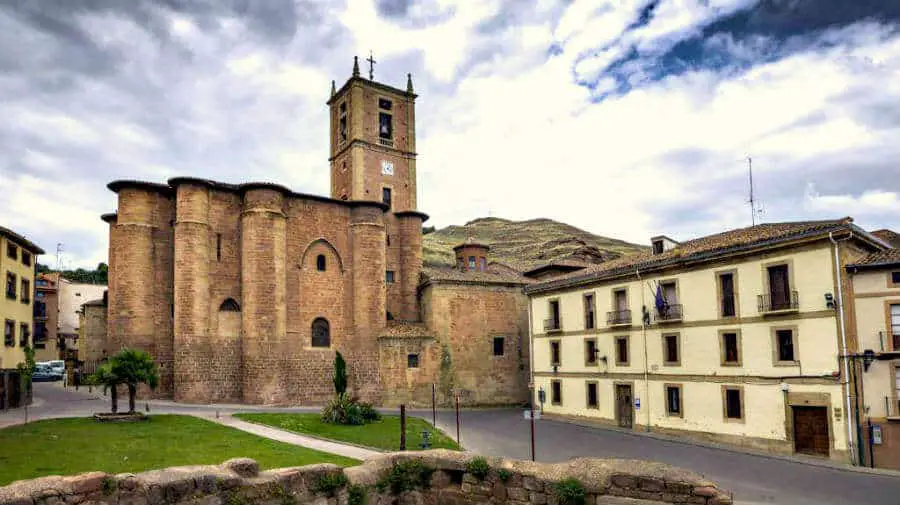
(886, 258)
(496, 273)
(700, 248)
(889, 236)
(21, 241)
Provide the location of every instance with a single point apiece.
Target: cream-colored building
(18, 257)
(733, 338)
(876, 303)
(72, 296)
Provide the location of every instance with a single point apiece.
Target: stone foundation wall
(450, 481)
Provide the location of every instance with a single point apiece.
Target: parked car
(44, 373)
(58, 366)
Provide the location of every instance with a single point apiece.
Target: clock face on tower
(387, 167)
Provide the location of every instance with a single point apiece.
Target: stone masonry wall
(450, 481)
(467, 318)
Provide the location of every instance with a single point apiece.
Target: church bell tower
(373, 141)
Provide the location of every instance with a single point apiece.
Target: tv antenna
(752, 201)
(59, 249)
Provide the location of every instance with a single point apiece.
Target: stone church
(243, 292)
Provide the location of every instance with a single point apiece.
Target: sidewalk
(349, 451)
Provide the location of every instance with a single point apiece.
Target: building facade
(244, 292)
(876, 304)
(92, 341)
(46, 317)
(735, 338)
(18, 260)
(71, 296)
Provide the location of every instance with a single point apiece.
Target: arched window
(321, 334)
(320, 262)
(230, 305)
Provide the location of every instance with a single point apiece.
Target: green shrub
(329, 483)
(368, 412)
(478, 467)
(356, 495)
(109, 486)
(406, 476)
(504, 474)
(570, 492)
(343, 410)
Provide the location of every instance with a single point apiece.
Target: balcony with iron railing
(551, 324)
(892, 407)
(386, 142)
(618, 317)
(669, 313)
(771, 303)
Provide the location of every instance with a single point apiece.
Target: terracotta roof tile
(719, 243)
(889, 236)
(496, 273)
(887, 257)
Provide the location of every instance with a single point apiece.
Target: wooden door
(811, 430)
(624, 412)
(779, 288)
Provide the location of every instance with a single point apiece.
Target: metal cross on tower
(371, 60)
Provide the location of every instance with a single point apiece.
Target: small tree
(110, 382)
(134, 367)
(340, 375)
(26, 372)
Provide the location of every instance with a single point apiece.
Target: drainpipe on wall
(844, 364)
(637, 272)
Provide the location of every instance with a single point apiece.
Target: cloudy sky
(625, 118)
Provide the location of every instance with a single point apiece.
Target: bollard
(457, 421)
(147, 406)
(402, 427)
(425, 445)
(217, 413)
(433, 408)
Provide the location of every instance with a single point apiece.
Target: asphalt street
(504, 432)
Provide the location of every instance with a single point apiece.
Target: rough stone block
(624, 481)
(518, 494)
(532, 484)
(720, 499)
(537, 498)
(88, 482)
(650, 484)
(498, 491)
(245, 467)
(679, 488)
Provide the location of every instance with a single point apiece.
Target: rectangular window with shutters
(25, 295)
(671, 351)
(11, 285)
(895, 325)
(590, 352)
(730, 344)
(894, 280)
(26, 258)
(622, 351)
(673, 400)
(592, 401)
(9, 333)
(386, 196)
(733, 400)
(779, 287)
(12, 251)
(727, 305)
(554, 352)
(24, 335)
(784, 345)
(589, 310)
(556, 392)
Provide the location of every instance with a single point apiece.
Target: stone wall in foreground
(452, 480)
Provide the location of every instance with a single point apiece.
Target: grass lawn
(383, 434)
(76, 445)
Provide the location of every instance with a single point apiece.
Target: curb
(338, 442)
(727, 448)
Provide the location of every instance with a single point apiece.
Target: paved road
(504, 432)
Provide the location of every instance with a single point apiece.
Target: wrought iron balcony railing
(551, 324)
(778, 303)
(669, 313)
(617, 317)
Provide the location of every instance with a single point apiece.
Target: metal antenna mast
(752, 201)
(59, 248)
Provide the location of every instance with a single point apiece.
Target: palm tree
(134, 367)
(106, 376)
